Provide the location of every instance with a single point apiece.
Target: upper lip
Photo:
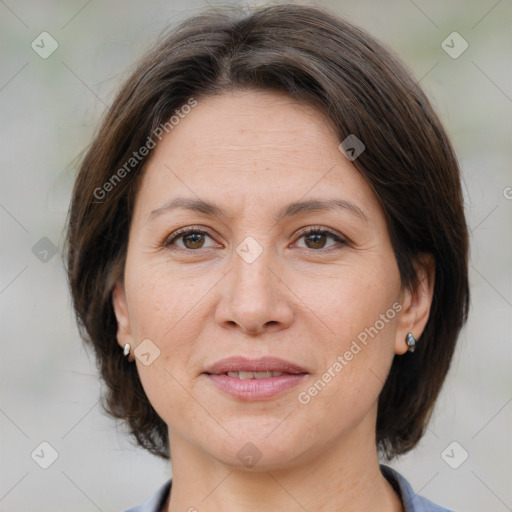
(262, 364)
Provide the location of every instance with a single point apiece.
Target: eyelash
(170, 241)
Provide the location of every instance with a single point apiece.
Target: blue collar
(411, 501)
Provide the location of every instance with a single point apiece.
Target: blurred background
(60, 65)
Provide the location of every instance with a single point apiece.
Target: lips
(262, 368)
(254, 379)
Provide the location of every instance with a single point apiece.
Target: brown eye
(188, 238)
(318, 239)
(193, 240)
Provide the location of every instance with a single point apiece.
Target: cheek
(360, 310)
(357, 360)
(351, 299)
(166, 310)
(162, 301)
(170, 309)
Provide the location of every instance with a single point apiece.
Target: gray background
(49, 111)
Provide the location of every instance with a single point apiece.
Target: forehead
(245, 123)
(253, 145)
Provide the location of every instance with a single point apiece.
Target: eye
(194, 238)
(317, 238)
(191, 238)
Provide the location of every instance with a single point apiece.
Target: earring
(126, 350)
(411, 342)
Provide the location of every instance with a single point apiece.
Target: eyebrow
(289, 210)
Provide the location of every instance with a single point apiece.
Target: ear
(416, 303)
(124, 333)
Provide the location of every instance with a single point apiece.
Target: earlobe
(416, 304)
(119, 304)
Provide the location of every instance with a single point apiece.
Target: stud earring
(411, 342)
(126, 350)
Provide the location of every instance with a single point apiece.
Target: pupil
(317, 239)
(195, 239)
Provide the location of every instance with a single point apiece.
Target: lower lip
(256, 389)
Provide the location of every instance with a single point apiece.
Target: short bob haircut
(314, 57)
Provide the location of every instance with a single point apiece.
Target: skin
(304, 299)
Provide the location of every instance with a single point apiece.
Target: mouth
(245, 375)
(256, 379)
(262, 368)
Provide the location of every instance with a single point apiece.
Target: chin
(261, 447)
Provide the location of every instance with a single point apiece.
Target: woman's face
(249, 174)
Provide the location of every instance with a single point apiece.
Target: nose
(254, 299)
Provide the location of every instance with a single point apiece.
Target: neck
(333, 479)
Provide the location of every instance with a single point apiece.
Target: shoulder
(155, 502)
(412, 502)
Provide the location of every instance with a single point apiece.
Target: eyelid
(322, 229)
(308, 229)
(175, 235)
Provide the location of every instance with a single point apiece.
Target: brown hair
(313, 56)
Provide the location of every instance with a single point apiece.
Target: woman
(268, 253)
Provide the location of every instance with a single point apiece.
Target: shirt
(411, 501)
